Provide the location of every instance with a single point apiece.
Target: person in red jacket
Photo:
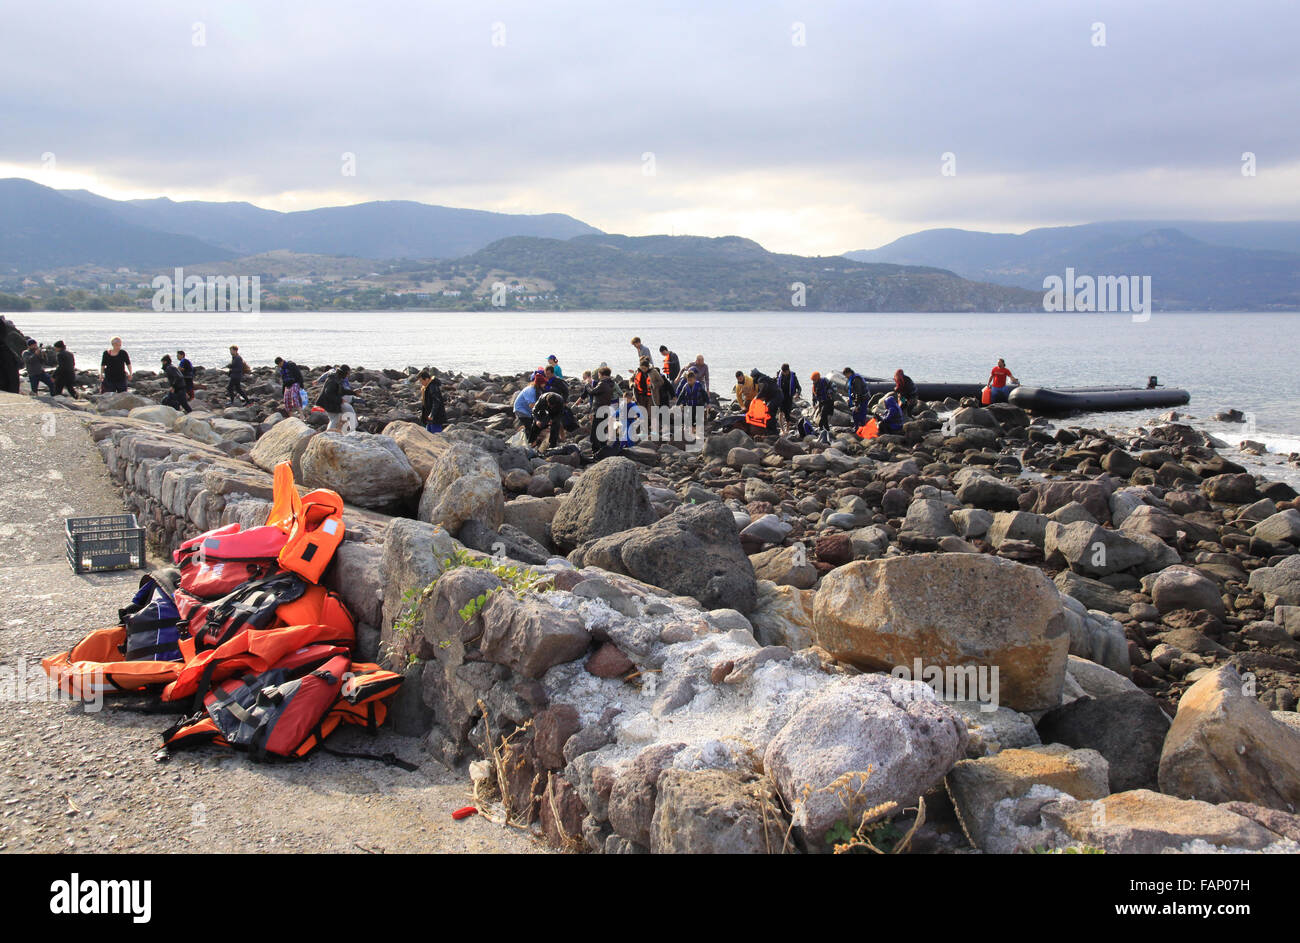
(997, 384)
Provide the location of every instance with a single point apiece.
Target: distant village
(93, 288)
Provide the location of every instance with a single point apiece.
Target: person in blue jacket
(889, 419)
(526, 400)
(859, 400)
(692, 392)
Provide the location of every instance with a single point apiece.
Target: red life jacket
(289, 710)
(216, 562)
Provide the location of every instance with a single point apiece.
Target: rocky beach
(731, 648)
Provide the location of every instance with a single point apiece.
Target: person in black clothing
(603, 394)
(555, 384)
(12, 351)
(187, 371)
(331, 397)
(790, 388)
(548, 413)
(433, 409)
(292, 384)
(176, 399)
(114, 368)
(237, 370)
(34, 362)
(770, 393)
(823, 398)
(906, 392)
(65, 374)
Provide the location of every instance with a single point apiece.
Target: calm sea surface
(1241, 360)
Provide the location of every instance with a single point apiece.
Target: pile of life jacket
(241, 638)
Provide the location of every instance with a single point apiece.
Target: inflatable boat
(1094, 399)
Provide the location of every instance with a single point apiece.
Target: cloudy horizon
(813, 128)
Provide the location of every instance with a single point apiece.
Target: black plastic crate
(110, 542)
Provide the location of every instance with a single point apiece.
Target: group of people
(769, 402)
(543, 408)
(115, 370)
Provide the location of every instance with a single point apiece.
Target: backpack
(152, 624)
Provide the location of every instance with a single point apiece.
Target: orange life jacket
(641, 380)
(285, 503)
(248, 652)
(316, 534)
(94, 667)
(869, 429)
(758, 414)
(313, 523)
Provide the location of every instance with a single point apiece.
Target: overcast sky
(820, 147)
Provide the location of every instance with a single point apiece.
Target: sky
(811, 127)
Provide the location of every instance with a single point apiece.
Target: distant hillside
(1193, 265)
(397, 229)
(42, 229)
(727, 273)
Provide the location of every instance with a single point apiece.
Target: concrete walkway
(77, 781)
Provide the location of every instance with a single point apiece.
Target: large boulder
(1093, 495)
(949, 610)
(608, 498)
(785, 566)
(1093, 594)
(1017, 525)
(716, 812)
(1091, 549)
(928, 518)
(976, 786)
(367, 470)
(286, 441)
(233, 430)
(1230, 489)
(783, 616)
(529, 635)
(1283, 526)
(464, 485)
(694, 551)
(859, 743)
(1145, 823)
(1185, 587)
(1225, 746)
(197, 429)
(127, 401)
(1282, 581)
(533, 516)
(421, 446)
(159, 415)
(990, 493)
(1128, 728)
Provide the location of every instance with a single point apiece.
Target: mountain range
(729, 273)
(1193, 265)
(42, 228)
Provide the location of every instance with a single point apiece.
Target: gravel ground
(73, 780)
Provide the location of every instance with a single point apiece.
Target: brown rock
(608, 661)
